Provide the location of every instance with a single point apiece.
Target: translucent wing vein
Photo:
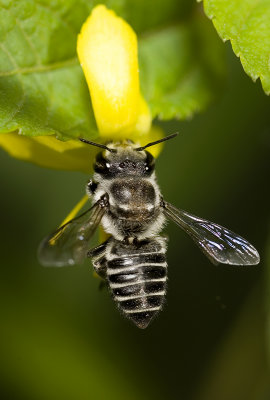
(69, 244)
(219, 244)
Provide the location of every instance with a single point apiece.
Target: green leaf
(246, 24)
(181, 68)
(147, 15)
(42, 87)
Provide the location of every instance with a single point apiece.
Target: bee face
(124, 162)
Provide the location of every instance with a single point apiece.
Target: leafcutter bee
(128, 203)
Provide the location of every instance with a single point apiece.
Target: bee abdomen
(138, 284)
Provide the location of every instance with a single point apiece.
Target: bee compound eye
(149, 163)
(101, 165)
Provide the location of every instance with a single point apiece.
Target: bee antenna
(102, 146)
(158, 141)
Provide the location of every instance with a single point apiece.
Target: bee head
(125, 158)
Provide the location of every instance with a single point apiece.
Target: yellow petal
(154, 134)
(107, 50)
(47, 151)
(144, 120)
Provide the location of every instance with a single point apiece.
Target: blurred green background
(63, 338)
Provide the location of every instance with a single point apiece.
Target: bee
(128, 203)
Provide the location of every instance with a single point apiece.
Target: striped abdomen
(137, 275)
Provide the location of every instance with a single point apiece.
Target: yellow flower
(107, 50)
(47, 151)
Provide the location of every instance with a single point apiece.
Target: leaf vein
(12, 59)
(29, 41)
(39, 68)
(50, 11)
(22, 100)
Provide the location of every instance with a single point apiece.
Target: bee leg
(98, 250)
(99, 260)
(101, 270)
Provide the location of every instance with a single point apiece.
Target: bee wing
(69, 244)
(219, 244)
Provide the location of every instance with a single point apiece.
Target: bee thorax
(134, 207)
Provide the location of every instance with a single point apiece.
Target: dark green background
(62, 338)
